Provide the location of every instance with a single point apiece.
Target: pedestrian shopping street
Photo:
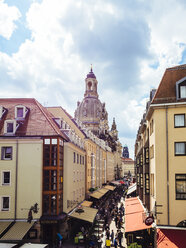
(115, 229)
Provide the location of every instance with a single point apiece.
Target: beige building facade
(127, 167)
(160, 150)
(74, 159)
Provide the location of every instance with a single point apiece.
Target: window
(141, 180)
(6, 153)
(181, 88)
(147, 186)
(152, 152)
(183, 91)
(151, 127)
(6, 178)
(180, 148)
(77, 158)
(5, 203)
(10, 127)
(147, 155)
(74, 157)
(179, 120)
(20, 112)
(152, 184)
(180, 186)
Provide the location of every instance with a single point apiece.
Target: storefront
(81, 222)
(136, 231)
(50, 226)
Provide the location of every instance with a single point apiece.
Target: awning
(131, 189)
(96, 195)
(103, 191)
(29, 245)
(171, 238)
(4, 225)
(88, 214)
(17, 231)
(110, 187)
(134, 215)
(116, 182)
(86, 203)
(6, 245)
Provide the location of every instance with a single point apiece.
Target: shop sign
(149, 220)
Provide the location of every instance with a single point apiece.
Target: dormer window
(2, 111)
(181, 89)
(20, 112)
(10, 127)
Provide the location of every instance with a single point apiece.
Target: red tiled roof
(171, 238)
(166, 91)
(37, 122)
(127, 159)
(134, 213)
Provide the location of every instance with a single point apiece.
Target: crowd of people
(112, 210)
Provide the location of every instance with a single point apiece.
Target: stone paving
(114, 228)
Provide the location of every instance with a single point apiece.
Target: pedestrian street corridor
(115, 229)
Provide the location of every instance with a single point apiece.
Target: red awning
(171, 238)
(134, 215)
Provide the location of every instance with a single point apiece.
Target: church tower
(125, 152)
(91, 112)
(114, 131)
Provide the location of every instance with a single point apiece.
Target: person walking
(112, 236)
(108, 233)
(120, 236)
(115, 242)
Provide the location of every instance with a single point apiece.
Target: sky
(47, 47)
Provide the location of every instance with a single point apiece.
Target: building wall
(158, 167)
(74, 177)
(110, 166)
(126, 167)
(104, 166)
(28, 154)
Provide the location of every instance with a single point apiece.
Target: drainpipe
(167, 153)
(16, 176)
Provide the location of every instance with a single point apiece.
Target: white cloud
(130, 46)
(8, 16)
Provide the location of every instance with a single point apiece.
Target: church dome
(89, 110)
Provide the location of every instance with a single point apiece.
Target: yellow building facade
(25, 159)
(160, 150)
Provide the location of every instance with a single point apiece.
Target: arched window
(89, 85)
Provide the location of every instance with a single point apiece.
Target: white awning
(131, 189)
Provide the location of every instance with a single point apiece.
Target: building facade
(32, 170)
(160, 150)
